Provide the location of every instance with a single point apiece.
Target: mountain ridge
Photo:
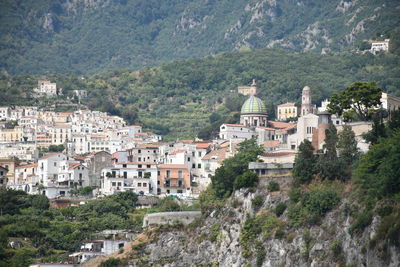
(88, 36)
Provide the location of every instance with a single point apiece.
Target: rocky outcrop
(217, 239)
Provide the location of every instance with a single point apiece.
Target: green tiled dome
(253, 105)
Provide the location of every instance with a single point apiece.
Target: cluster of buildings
(102, 152)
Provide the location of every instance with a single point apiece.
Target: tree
(347, 146)
(378, 127)
(360, 97)
(223, 182)
(304, 163)
(328, 165)
(378, 173)
(246, 180)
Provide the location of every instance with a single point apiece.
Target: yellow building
(286, 111)
(15, 134)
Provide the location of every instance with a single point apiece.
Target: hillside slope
(181, 98)
(87, 36)
(241, 233)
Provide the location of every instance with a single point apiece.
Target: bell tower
(306, 105)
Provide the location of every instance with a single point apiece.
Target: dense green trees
(378, 172)
(29, 216)
(360, 97)
(234, 174)
(304, 163)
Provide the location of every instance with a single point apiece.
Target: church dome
(253, 105)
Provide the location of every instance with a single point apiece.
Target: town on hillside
(63, 154)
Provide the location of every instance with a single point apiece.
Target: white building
(378, 46)
(235, 131)
(139, 177)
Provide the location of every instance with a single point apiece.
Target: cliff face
(226, 238)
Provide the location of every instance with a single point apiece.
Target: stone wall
(159, 218)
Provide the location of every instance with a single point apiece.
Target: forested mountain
(88, 36)
(193, 97)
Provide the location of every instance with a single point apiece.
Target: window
(180, 174)
(179, 191)
(55, 164)
(199, 153)
(144, 184)
(158, 173)
(139, 159)
(123, 165)
(148, 166)
(189, 159)
(140, 174)
(193, 166)
(125, 175)
(139, 151)
(140, 166)
(119, 183)
(139, 184)
(158, 182)
(80, 176)
(199, 166)
(113, 183)
(193, 154)
(168, 173)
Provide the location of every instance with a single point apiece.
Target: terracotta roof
(62, 126)
(142, 134)
(151, 146)
(96, 152)
(273, 143)
(202, 146)
(74, 165)
(279, 124)
(234, 125)
(50, 155)
(27, 166)
(172, 166)
(219, 154)
(188, 141)
(178, 152)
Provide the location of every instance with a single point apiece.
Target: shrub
(257, 202)
(336, 247)
(290, 237)
(215, 230)
(273, 187)
(361, 221)
(320, 201)
(260, 253)
(111, 262)
(236, 203)
(246, 180)
(280, 208)
(279, 233)
(295, 195)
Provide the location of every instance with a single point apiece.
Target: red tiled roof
(172, 166)
(279, 124)
(202, 146)
(178, 152)
(50, 155)
(273, 143)
(27, 166)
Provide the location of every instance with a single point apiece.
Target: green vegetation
(273, 187)
(280, 209)
(51, 230)
(257, 202)
(194, 97)
(113, 262)
(234, 174)
(358, 97)
(42, 36)
(312, 205)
